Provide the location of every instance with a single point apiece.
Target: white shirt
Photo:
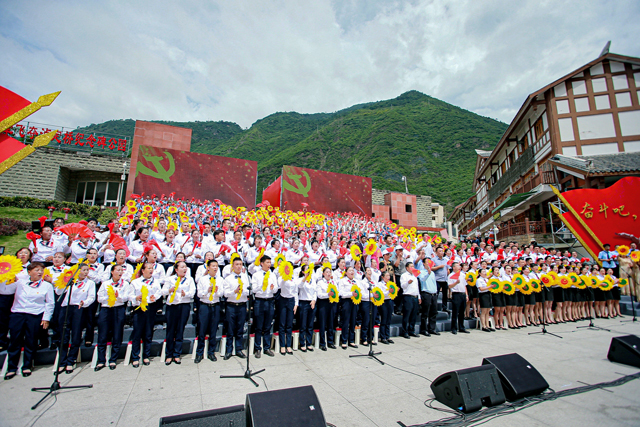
(96, 272)
(186, 284)
(78, 251)
(289, 288)
(36, 299)
(127, 273)
(294, 256)
(257, 281)
(321, 288)
(218, 249)
(135, 290)
(231, 284)
(82, 291)
(157, 236)
(410, 284)
(45, 250)
(307, 291)
(462, 284)
(122, 287)
(169, 252)
(136, 249)
(364, 285)
(204, 283)
(345, 285)
(188, 247)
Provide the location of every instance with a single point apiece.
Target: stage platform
(352, 391)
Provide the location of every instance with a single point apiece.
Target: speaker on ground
(469, 389)
(519, 378)
(625, 349)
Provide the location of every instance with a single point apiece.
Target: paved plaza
(352, 391)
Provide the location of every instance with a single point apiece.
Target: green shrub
(33, 203)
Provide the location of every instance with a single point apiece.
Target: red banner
(599, 215)
(325, 191)
(195, 175)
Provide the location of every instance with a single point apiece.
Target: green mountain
(430, 142)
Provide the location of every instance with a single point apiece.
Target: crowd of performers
(164, 260)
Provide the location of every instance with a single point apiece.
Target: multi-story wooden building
(589, 117)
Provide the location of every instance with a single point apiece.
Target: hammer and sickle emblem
(160, 172)
(299, 188)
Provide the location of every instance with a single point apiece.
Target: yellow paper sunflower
(508, 288)
(9, 267)
(131, 203)
(355, 252)
(371, 247)
(234, 256)
(111, 292)
(393, 290)
(286, 270)
(357, 298)
(565, 283)
(334, 296)
(377, 296)
(494, 285)
(257, 261)
(64, 277)
(574, 278)
(172, 209)
(144, 293)
(606, 284)
(623, 282)
(546, 280)
(136, 271)
(326, 264)
(623, 250)
(635, 256)
(526, 289)
(471, 278)
(278, 259)
(518, 280)
(554, 277)
(535, 285)
(583, 282)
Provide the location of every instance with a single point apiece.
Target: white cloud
(242, 60)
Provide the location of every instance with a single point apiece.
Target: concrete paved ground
(352, 391)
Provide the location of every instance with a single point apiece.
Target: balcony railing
(515, 171)
(524, 228)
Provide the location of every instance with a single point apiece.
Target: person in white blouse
(287, 307)
(169, 249)
(326, 309)
(45, 247)
(31, 311)
(386, 309)
(307, 297)
(411, 301)
(178, 290)
(349, 309)
(7, 293)
(204, 267)
(113, 297)
(236, 290)
(120, 259)
(51, 274)
(295, 254)
(143, 318)
(333, 253)
(367, 309)
(78, 249)
(210, 289)
(136, 248)
(81, 294)
(96, 271)
(194, 251)
(264, 287)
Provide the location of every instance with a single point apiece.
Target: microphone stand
(55, 387)
(247, 373)
(544, 320)
(592, 325)
(371, 354)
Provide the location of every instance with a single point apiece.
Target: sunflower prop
(212, 281)
(494, 285)
(606, 284)
(241, 286)
(137, 270)
(573, 277)
(175, 291)
(582, 282)
(593, 282)
(9, 267)
(332, 291)
(326, 264)
(260, 254)
(279, 259)
(144, 294)
(356, 294)
(265, 281)
(565, 283)
(286, 270)
(65, 276)
(526, 289)
(111, 292)
(355, 253)
(623, 282)
(234, 256)
(535, 285)
(546, 280)
(518, 280)
(554, 277)
(635, 256)
(508, 288)
(377, 296)
(371, 247)
(623, 250)
(393, 290)
(471, 278)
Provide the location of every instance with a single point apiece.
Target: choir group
(323, 275)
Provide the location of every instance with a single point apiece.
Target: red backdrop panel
(195, 175)
(605, 212)
(325, 191)
(272, 193)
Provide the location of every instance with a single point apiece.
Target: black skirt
(615, 293)
(498, 299)
(598, 294)
(539, 295)
(548, 294)
(589, 294)
(474, 292)
(574, 294)
(520, 296)
(608, 295)
(530, 299)
(485, 300)
(558, 294)
(511, 300)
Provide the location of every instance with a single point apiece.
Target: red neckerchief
(35, 284)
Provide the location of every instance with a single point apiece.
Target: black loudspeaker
(626, 350)
(519, 378)
(291, 407)
(469, 389)
(233, 416)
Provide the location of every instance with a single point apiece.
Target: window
(538, 128)
(99, 193)
(407, 208)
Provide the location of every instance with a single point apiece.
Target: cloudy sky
(240, 60)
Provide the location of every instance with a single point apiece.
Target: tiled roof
(483, 153)
(606, 163)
